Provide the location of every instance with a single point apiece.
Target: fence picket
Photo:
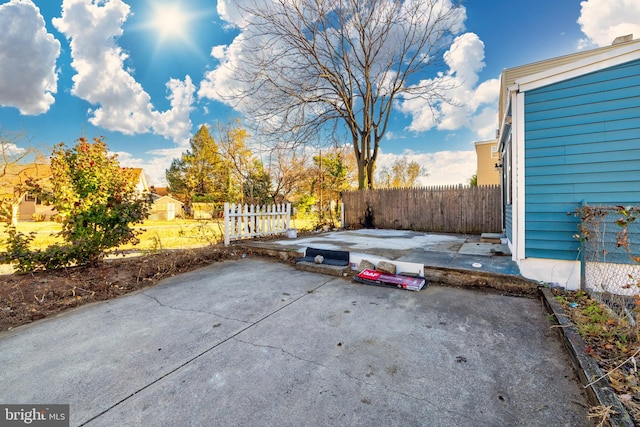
(250, 221)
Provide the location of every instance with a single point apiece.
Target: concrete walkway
(255, 342)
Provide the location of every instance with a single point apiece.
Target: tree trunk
(370, 171)
(15, 213)
(361, 161)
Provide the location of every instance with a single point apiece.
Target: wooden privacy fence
(244, 221)
(445, 209)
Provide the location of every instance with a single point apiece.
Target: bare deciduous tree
(340, 65)
(289, 171)
(401, 174)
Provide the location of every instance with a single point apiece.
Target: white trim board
(625, 53)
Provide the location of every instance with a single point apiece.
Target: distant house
(488, 162)
(141, 182)
(165, 208)
(30, 207)
(569, 134)
(12, 181)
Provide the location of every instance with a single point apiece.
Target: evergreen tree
(199, 173)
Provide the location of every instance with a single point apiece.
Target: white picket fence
(245, 221)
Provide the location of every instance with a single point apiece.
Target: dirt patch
(28, 297)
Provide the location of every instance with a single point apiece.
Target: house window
(30, 198)
(494, 152)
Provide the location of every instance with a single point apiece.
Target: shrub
(96, 202)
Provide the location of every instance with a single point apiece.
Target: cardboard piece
(402, 267)
(373, 277)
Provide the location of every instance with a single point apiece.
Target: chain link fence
(611, 254)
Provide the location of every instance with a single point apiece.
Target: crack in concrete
(429, 402)
(161, 304)
(355, 378)
(194, 358)
(313, 362)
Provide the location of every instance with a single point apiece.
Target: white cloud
(484, 123)
(153, 167)
(391, 136)
(28, 57)
(176, 122)
(218, 52)
(602, 21)
(11, 150)
(473, 106)
(230, 11)
(220, 84)
(443, 167)
(102, 78)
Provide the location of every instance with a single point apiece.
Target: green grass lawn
(156, 235)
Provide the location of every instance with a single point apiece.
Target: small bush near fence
(444, 209)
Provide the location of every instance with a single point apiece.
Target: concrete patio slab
(256, 342)
(484, 249)
(451, 251)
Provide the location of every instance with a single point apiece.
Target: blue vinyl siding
(582, 143)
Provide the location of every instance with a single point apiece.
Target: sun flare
(170, 22)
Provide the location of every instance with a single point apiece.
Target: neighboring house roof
(167, 199)
(511, 75)
(140, 180)
(13, 176)
(160, 191)
(542, 73)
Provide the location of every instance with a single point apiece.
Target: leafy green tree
(220, 169)
(238, 164)
(473, 181)
(257, 185)
(199, 173)
(96, 200)
(176, 177)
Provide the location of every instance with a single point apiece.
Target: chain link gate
(610, 250)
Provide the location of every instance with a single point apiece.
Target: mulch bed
(25, 298)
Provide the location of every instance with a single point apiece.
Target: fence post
(227, 219)
(288, 217)
(252, 220)
(341, 214)
(245, 221)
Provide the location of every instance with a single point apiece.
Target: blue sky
(143, 73)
